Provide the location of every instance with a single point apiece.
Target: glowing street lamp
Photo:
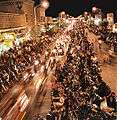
(94, 9)
(62, 12)
(45, 4)
(85, 13)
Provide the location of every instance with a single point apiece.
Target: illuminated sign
(110, 18)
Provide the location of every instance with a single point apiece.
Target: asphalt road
(42, 101)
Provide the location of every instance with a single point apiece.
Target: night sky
(76, 7)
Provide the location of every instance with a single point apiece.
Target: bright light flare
(61, 100)
(38, 84)
(25, 76)
(100, 41)
(42, 68)
(86, 13)
(45, 4)
(8, 36)
(62, 12)
(94, 9)
(25, 104)
(36, 62)
(67, 21)
(60, 50)
(51, 59)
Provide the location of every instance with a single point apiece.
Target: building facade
(16, 13)
(9, 20)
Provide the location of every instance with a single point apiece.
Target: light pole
(94, 9)
(44, 4)
(35, 15)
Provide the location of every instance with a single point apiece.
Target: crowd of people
(16, 61)
(109, 37)
(95, 29)
(86, 95)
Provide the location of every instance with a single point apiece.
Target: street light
(45, 4)
(94, 9)
(85, 13)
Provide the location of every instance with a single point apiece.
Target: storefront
(6, 41)
(11, 37)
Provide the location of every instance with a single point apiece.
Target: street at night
(58, 60)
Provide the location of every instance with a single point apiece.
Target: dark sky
(76, 7)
